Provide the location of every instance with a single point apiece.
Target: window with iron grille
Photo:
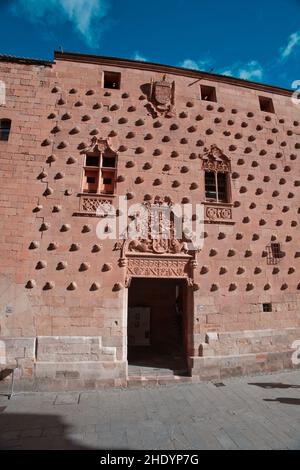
(274, 253)
(267, 307)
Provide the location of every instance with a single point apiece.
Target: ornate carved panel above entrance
(159, 268)
(159, 246)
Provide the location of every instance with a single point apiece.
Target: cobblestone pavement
(260, 412)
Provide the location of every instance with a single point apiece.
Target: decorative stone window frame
(214, 160)
(89, 203)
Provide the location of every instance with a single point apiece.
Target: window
(216, 186)
(267, 307)
(99, 174)
(266, 104)
(208, 93)
(274, 253)
(275, 248)
(92, 160)
(109, 162)
(112, 80)
(91, 179)
(5, 125)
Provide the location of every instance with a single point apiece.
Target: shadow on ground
(32, 431)
(285, 400)
(273, 385)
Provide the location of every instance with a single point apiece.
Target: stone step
(145, 380)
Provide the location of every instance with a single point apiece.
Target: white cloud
(251, 71)
(294, 40)
(140, 57)
(204, 64)
(228, 73)
(85, 15)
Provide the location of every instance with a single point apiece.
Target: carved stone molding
(164, 268)
(94, 205)
(215, 213)
(100, 145)
(159, 246)
(162, 96)
(213, 159)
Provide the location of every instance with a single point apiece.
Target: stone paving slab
(66, 398)
(261, 412)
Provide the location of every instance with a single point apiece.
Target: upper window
(5, 125)
(217, 171)
(112, 80)
(216, 186)
(208, 93)
(99, 174)
(266, 104)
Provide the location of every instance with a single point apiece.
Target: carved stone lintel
(218, 213)
(100, 145)
(213, 159)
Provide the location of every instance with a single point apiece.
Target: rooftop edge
(150, 66)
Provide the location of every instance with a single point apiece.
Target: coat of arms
(162, 94)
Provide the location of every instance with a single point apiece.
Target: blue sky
(257, 40)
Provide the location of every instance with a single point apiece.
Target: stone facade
(64, 292)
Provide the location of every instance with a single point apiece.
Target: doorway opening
(157, 342)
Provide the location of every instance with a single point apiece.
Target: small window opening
(267, 307)
(274, 253)
(109, 162)
(208, 93)
(91, 181)
(112, 80)
(275, 247)
(266, 104)
(92, 160)
(5, 125)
